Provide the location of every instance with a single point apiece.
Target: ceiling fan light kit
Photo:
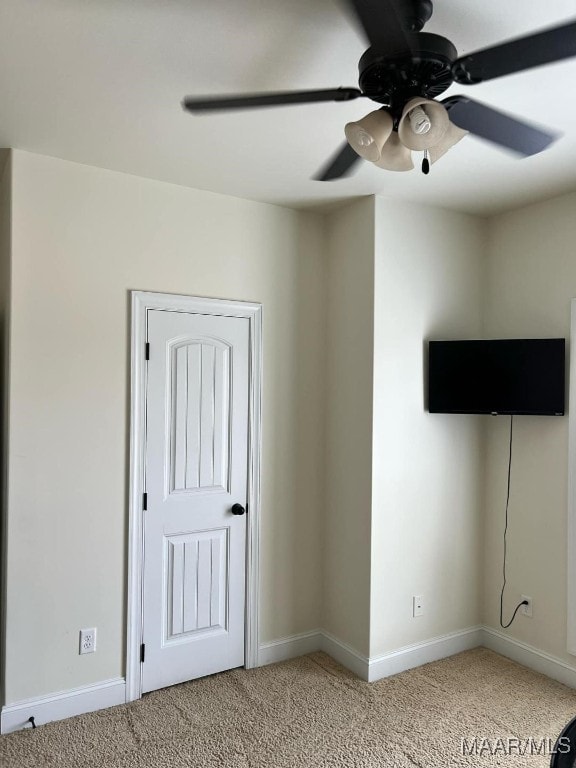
(405, 70)
(452, 136)
(368, 136)
(438, 119)
(395, 156)
(424, 126)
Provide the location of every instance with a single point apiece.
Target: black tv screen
(508, 376)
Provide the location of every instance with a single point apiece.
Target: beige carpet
(312, 712)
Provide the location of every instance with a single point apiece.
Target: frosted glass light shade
(368, 136)
(438, 117)
(395, 156)
(451, 137)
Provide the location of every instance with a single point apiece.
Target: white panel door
(196, 471)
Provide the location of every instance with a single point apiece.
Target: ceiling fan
(405, 70)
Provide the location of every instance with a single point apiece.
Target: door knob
(238, 509)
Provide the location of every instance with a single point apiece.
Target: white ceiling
(100, 82)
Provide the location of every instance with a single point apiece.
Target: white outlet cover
(88, 640)
(417, 605)
(526, 609)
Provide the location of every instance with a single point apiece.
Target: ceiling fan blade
(214, 104)
(339, 165)
(382, 25)
(516, 55)
(498, 127)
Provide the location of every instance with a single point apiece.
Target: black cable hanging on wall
(524, 602)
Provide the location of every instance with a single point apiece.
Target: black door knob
(238, 509)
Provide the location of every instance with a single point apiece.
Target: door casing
(142, 301)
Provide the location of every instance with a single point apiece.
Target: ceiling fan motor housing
(394, 78)
(414, 13)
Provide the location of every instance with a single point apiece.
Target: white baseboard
(109, 693)
(59, 706)
(423, 653)
(529, 656)
(369, 669)
(289, 647)
(346, 655)
(307, 642)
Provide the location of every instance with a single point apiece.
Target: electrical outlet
(526, 609)
(88, 640)
(417, 605)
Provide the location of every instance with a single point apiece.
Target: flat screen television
(503, 376)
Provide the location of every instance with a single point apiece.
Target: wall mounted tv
(503, 376)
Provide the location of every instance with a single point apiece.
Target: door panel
(196, 469)
(200, 418)
(196, 582)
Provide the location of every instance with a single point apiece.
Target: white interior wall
(427, 468)
(531, 281)
(348, 387)
(82, 239)
(399, 481)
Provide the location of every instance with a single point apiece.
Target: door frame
(571, 512)
(142, 302)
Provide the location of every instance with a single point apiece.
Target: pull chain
(425, 163)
